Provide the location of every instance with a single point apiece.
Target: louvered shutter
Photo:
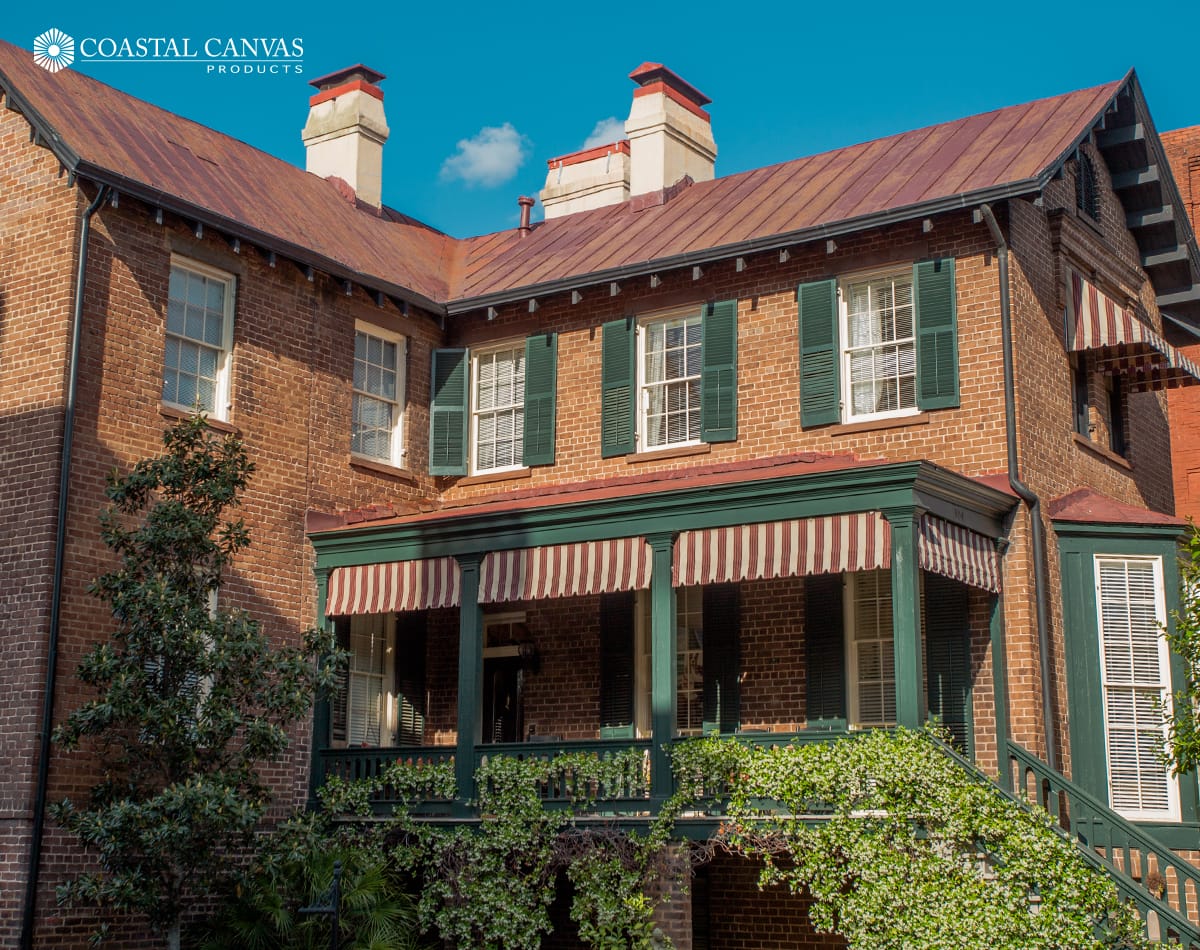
(948, 657)
(410, 677)
(616, 665)
(721, 660)
(937, 333)
(448, 413)
(338, 705)
(825, 652)
(541, 373)
(1136, 680)
(819, 389)
(618, 386)
(718, 373)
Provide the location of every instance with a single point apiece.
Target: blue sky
(480, 95)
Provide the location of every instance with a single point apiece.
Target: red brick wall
(1183, 152)
(37, 210)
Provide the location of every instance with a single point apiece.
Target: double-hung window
(378, 401)
(382, 700)
(493, 407)
(879, 344)
(497, 409)
(1135, 681)
(669, 381)
(879, 356)
(199, 338)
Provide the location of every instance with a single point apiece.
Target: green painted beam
(470, 676)
(1000, 688)
(663, 660)
(322, 713)
(906, 616)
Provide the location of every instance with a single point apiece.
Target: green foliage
(907, 848)
(190, 701)
(1183, 727)
(294, 870)
(491, 887)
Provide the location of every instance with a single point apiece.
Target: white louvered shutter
(873, 663)
(1135, 676)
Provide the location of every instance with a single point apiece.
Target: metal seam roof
(202, 175)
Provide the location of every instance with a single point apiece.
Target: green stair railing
(1157, 881)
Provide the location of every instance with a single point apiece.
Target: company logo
(54, 50)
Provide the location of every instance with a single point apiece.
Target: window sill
(1108, 455)
(182, 415)
(367, 464)
(489, 477)
(891, 422)
(682, 451)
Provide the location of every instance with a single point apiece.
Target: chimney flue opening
(526, 204)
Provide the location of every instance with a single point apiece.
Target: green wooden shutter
(337, 704)
(448, 413)
(948, 657)
(410, 677)
(825, 652)
(541, 375)
(718, 373)
(937, 333)
(820, 401)
(721, 660)
(616, 665)
(618, 387)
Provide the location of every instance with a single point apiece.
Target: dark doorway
(503, 712)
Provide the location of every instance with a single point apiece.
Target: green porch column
(663, 660)
(906, 616)
(470, 674)
(1000, 688)
(322, 718)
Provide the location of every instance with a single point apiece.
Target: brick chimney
(670, 133)
(346, 130)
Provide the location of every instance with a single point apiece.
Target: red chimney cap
(350, 73)
(657, 72)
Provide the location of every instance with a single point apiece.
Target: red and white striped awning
(853, 542)
(391, 587)
(565, 570)
(959, 553)
(1123, 343)
(829, 545)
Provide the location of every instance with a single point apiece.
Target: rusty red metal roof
(1087, 506)
(145, 150)
(976, 155)
(185, 162)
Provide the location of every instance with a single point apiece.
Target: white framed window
(689, 663)
(1135, 682)
(378, 401)
(497, 408)
(669, 380)
(879, 356)
(199, 338)
(370, 702)
(869, 645)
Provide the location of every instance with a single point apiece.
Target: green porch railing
(567, 781)
(1158, 882)
(372, 763)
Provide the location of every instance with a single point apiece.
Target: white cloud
(606, 131)
(490, 158)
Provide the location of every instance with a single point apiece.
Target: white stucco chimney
(670, 133)
(590, 178)
(346, 130)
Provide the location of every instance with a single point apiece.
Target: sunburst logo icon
(54, 50)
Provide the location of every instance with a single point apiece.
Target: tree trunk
(173, 936)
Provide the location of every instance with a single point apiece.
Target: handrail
(1116, 845)
(566, 783)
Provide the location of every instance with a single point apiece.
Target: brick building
(850, 441)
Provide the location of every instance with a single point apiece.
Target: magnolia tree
(1183, 726)
(191, 698)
